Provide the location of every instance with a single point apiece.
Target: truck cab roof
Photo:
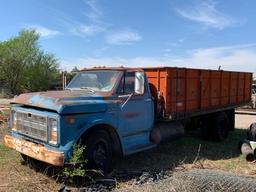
(121, 68)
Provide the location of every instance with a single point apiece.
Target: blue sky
(191, 33)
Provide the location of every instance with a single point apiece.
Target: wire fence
(214, 180)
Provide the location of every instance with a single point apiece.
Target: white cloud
(238, 58)
(80, 29)
(205, 12)
(181, 40)
(92, 26)
(44, 31)
(88, 30)
(125, 37)
(167, 50)
(95, 25)
(95, 13)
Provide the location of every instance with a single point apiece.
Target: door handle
(148, 100)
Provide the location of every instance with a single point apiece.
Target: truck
(119, 111)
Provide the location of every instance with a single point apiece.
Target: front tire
(98, 151)
(31, 162)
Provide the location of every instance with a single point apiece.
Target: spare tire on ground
(251, 133)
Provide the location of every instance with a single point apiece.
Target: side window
(126, 85)
(129, 82)
(132, 82)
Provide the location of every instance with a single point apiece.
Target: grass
(5, 154)
(189, 153)
(170, 155)
(17, 177)
(184, 154)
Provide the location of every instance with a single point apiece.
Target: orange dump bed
(186, 90)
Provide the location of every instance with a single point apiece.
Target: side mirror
(139, 83)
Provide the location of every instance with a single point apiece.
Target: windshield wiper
(87, 88)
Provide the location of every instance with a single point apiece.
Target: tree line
(25, 67)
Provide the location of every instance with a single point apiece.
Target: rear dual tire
(215, 127)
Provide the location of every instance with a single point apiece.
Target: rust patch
(55, 97)
(35, 151)
(70, 119)
(23, 98)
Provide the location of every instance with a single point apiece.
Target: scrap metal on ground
(254, 100)
(248, 146)
(4, 114)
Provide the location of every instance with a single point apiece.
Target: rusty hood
(64, 102)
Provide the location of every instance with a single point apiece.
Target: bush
(76, 163)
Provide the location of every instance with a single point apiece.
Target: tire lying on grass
(251, 133)
(247, 150)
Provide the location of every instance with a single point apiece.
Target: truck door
(136, 113)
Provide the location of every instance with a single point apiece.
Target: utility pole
(64, 80)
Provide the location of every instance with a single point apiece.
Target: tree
(71, 74)
(74, 70)
(24, 66)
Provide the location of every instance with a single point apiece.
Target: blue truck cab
(109, 110)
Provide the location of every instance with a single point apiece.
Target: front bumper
(35, 151)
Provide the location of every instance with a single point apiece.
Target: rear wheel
(220, 127)
(98, 151)
(215, 127)
(231, 118)
(205, 128)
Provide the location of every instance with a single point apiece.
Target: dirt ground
(244, 121)
(4, 101)
(184, 154)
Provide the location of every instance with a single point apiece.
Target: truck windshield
(98, 80)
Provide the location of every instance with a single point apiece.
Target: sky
(138, 33)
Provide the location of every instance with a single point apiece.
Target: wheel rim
(99, 154)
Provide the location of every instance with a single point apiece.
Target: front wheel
(98, 151)
(31, 162)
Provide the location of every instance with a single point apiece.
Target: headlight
(53, 131)
(13, 120)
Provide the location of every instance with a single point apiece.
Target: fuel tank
(164, 131)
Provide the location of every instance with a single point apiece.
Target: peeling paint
(35, 151)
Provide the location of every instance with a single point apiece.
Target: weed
(76, 165)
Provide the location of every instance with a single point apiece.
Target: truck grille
(34, 126)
